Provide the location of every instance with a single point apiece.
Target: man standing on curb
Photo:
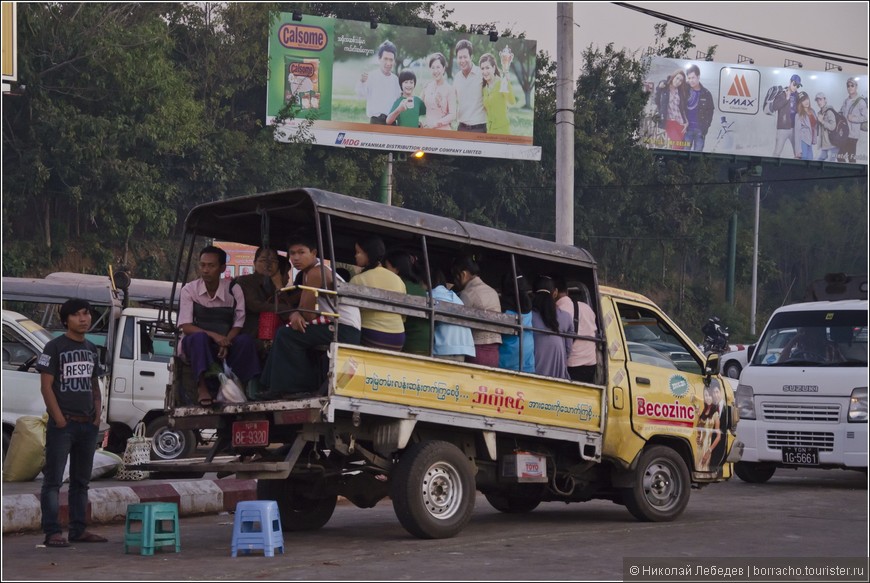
(69, 368)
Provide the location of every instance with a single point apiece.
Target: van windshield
(815, 338)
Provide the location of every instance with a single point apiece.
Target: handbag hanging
(138, 452)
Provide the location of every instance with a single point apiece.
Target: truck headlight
(858, 406)
(745, 399)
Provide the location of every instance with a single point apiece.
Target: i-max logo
(340, 140)
(738, 90)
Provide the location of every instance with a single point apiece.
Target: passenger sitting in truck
(551, 351)
(452, 342)
(261, 289)
(582, 361)
(400, 262)
(288, 368)
(477, 294)
(211, 315)
(379, 329)
(509, 350)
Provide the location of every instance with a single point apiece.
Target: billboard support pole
(755, 260)
(387, 181)
(565, 123)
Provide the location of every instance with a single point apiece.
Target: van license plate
(250, 433)
(800, 456)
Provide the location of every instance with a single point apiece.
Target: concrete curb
(22, 512)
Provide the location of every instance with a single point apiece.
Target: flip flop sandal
(89, 537)
(55, 542)
(206, 402)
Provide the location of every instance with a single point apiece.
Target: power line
(748, 38)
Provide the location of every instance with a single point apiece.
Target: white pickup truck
(135, 352)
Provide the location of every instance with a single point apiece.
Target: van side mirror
(750, 350)
(711, 366)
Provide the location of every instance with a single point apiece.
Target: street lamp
(793, 63)
(743, 59)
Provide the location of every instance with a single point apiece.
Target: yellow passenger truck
(430, 433)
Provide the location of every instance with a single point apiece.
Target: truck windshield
(816, 338)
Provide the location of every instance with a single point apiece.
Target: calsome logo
(301, 36)
(739, 90)
(302, 69)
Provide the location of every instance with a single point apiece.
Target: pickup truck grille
(818, 413)
(822, 440)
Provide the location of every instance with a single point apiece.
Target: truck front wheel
(168, 443)
(660, 490)
(298, 513)
(754, 473)
(433, 490)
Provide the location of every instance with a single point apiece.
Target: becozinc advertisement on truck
(352, 84)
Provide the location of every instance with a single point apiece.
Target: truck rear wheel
(512, 504)
(298, 513)
(433, 490)
(168, 443)
(661, 486)
(754, 473)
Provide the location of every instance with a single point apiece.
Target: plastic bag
(138, 451)
(26, 454)
(230, 391)
(106, 465)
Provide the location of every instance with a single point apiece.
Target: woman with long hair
(551, 351)
(439, 97)
(671, 98)
(495, 101)
(400, 262)
(379, 329)
(707, 430)
(805, 124)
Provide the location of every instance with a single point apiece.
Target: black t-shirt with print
(74, 366)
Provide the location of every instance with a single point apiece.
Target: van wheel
(168, 443)
(661, 486)
(298, 513)
(512, 504)
(733, 369)
(433, 490)
(754, 473)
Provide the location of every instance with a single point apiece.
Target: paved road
(804, 513)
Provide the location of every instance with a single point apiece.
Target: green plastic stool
(147, 527)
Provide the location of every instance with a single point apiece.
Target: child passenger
(452, 342)
(407, 109)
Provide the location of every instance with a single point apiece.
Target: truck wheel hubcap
(442, 490)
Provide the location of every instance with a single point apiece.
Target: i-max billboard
(756, 111)
(343, 83)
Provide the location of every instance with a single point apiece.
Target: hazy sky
(840, 27)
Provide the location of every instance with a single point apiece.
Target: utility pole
(755, 259)
(565, 123)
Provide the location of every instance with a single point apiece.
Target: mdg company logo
(739, 90)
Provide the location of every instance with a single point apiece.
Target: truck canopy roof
(242, 219)
(58, 287)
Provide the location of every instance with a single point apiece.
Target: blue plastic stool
(257, 526)
(146, 527)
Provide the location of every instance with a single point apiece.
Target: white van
(803, 397)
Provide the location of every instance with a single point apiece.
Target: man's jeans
(78, 441)
(695, 139)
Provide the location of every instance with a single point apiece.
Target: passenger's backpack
(840, 133)
(772, 94)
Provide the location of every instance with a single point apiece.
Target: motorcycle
(715, 336)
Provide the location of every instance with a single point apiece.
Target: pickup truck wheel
(661, 486)
(168, 443)
(298, 513)
(433, 490)
(512, 504)
(754, 473)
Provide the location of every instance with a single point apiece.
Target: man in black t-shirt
(69, 368)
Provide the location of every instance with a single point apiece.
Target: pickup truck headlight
(858, 406)
(745, 399)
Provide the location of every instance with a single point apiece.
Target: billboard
(9, 43)
(345, 84)
(755, 111)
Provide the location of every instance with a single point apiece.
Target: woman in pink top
(438, 96)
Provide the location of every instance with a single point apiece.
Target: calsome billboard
(346, 84)
(756, 111)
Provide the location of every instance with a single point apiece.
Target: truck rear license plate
(800, 456)
(250, 433)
